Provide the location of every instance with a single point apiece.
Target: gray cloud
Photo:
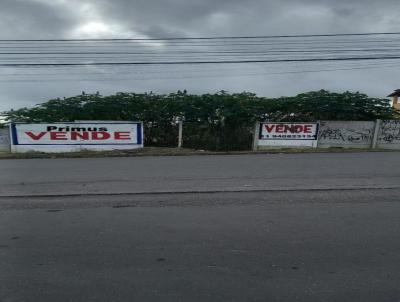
(30, 20)
(209, 17)
(38, 19)
(57, 18)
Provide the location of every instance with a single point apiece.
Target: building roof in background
(395, 93)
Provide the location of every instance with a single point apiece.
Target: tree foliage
(219, 121)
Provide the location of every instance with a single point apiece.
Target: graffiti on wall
(390, 132)
(4, 137)
(4, 140)
(344, 135)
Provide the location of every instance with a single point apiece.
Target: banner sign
(288, 131)
(64, 137)
(288, 135)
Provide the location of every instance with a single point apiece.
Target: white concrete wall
(389, 135)
(66, 149)
(346, 134)
(266, 144)
(4, 140)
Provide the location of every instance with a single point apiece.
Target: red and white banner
(288, 131)
(65, 137)
(288, 135)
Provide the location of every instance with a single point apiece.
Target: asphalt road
(305, 227)
(198, 173)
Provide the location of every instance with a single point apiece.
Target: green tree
(219, 121)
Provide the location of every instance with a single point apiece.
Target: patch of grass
(155, 151)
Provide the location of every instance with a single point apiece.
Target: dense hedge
(218, 121)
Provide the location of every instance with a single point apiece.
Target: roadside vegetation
(219, 121)
(163, 151)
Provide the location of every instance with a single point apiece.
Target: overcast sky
(58, 19)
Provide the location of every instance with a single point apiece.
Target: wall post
(376, 134)
(180, 134)
(318, 131)
(256, 134)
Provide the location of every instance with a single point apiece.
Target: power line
(193, 44)
(208, 38)
(199, 68)
(197, 76)
(200, 62)
(198, 52)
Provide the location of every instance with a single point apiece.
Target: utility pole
(180, 133)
